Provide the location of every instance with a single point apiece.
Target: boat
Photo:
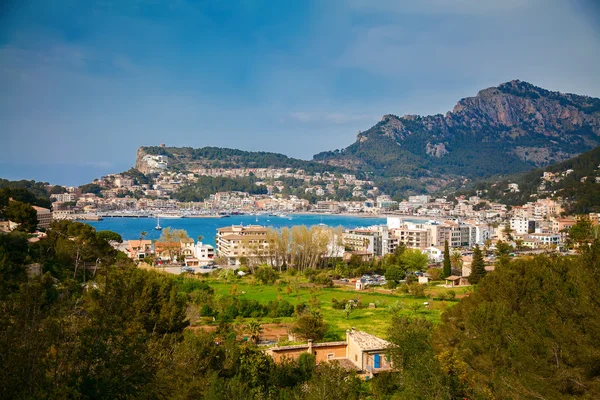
(158, 227)
(170, 216)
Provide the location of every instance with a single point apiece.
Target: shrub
(416, 290)
(266, 275)
(435, 274)
(323, 279)
(451, 294)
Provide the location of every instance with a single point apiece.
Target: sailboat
(158, 227)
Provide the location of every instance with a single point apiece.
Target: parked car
(189, 270)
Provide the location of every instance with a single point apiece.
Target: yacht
(170, 215)
(158, 227)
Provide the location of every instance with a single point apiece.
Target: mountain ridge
(515, 122)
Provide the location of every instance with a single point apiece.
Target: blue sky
(84, 83)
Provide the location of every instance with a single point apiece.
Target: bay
(130, 228)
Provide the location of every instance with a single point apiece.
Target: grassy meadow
(376, 306)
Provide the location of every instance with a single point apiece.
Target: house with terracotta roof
(361, 352)
(139, 249)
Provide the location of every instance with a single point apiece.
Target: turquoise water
(130, 228)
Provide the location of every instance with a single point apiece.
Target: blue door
(377, 361)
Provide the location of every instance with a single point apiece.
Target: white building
(204, 252)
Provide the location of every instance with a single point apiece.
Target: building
(123, 181)
(385, 202)
(64, 197)
(236, 242)
(412, 237)
(359, 239)
(361, 352)
(187, 247)
(522, 226)
(167, 251)
(44, 217)
(435, 254)
(139, 249)
(204, 252)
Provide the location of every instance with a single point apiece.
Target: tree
(456, 260)
(507, 231)
(110, 236)
(414, 358)
(266, 275)
(254, 329)
(581, 234)
(310, 325)
(395, 273)
(347, 309)
(23, 214)
(57, 189)
(414, 259)
(447, 263)
(171, 240)
(477, 266)
(332, 382)
(530, 329)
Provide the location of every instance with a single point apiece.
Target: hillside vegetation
(574, 181)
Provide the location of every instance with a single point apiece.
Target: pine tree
(447, 264)
(477, 267)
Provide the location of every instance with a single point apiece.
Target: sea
(130, 228)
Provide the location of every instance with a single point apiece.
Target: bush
(416, 290)
(323, 279)
(451, 294)
(266, 275)
(435, 274)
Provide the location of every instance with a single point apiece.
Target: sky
(83, 84)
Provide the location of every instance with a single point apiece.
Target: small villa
(361, 352)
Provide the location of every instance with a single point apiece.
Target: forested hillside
(188, 158)
(207, 185)
(79, 320)
(573, 181)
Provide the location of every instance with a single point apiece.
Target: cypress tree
(477, 267)
(447, 264)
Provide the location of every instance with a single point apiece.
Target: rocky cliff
(513, 127)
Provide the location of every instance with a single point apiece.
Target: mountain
(506, 129)
(576, 181)
(154, 158)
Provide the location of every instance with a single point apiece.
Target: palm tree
(200, 237)
(254, 329)
(143, 235)
(456, 260)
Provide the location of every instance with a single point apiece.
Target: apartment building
(44, 217)
(413, 237)
(235, 242)
(63, 197)
(204, 252)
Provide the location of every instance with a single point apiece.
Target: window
(355, 358)
(330, 356)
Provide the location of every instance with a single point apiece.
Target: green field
(373, 320)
